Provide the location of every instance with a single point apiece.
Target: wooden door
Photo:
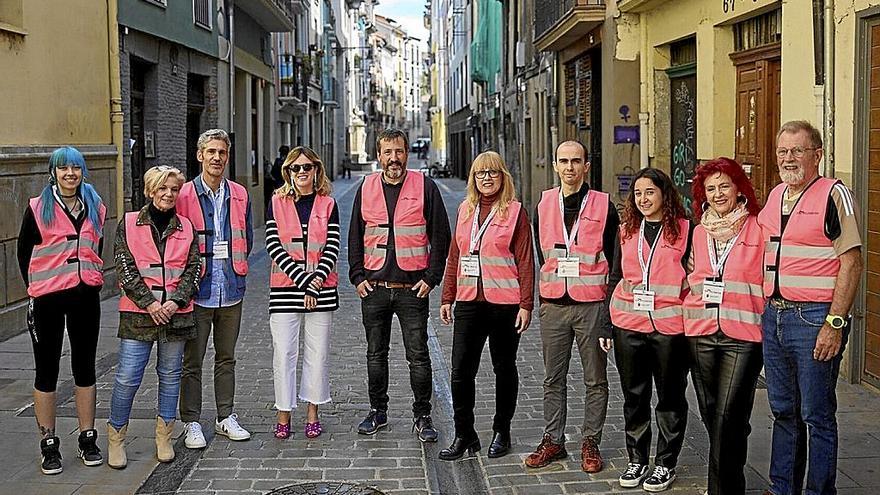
(871, 370)
(758, 74)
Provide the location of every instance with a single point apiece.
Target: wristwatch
(836, 322)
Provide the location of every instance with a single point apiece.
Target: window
(202, 13)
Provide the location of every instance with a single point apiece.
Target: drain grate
(325, 488)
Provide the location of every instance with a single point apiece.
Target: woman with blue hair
(59, 255)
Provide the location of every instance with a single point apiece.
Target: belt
(780, 303)
(390, 285)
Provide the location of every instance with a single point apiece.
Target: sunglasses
(481, 174)
(305, 167)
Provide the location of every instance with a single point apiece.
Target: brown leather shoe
(546, 453)
(591, 459)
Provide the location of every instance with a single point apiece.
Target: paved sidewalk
(393, 460)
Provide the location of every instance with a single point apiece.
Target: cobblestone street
(392, 461)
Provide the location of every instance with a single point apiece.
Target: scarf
(726, 227)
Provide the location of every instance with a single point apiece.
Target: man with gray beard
(812, 265)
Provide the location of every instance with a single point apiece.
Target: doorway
(138, 78)
(758, 74)
(868, 151)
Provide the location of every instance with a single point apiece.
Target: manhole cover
(329, 488)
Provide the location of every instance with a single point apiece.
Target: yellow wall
(59, 90)
(671, 21)
(845, 76)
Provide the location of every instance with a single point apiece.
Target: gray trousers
(560, 326)
(225, 323)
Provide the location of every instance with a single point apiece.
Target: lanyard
(717, 262)
(645, 264)
(476, 235)
(569, 237)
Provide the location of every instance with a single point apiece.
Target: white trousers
(315, 386)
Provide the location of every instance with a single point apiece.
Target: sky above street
(408, 13)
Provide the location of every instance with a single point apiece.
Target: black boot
(458, 448)
(500, 445)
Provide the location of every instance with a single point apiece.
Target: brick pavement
(393, 460)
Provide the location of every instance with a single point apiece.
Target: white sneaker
(230, 428)
(194, 438)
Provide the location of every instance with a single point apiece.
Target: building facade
(718, 78)
(42, 111)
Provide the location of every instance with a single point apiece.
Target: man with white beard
(812, 265)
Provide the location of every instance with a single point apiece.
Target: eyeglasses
(305, 167)
(167, 168)
(796, 152)
(481, 174)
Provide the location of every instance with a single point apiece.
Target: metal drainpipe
(644, 115)
(230, 6)
(829, 88)
(116, 113)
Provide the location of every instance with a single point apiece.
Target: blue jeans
(803, 399)
(133, 358)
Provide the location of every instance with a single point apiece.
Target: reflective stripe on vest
(666, 277)
(592, 284)
(189, 206)
(739, 314)
(806, 263)
(162, 272)
(291, 235)
(64, 258)
(498, 270)
(410, 226)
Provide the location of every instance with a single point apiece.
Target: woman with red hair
(722, 314)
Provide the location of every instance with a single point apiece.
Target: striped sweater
(291, 299)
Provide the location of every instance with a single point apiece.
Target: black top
(572, 206)
(29, 236)
(160, 218)
(438, 236)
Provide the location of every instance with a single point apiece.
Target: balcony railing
(293, 80)
(548, 14)
(560, 23)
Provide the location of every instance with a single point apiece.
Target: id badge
(643, 300)
(713, 292)
(568, 267)
(221, 250)
(470, 265)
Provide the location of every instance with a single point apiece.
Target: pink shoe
(282, 431)
(313, 430)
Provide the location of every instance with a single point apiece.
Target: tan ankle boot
(116, 457)
(164, 448)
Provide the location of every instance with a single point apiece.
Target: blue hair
(62, 157)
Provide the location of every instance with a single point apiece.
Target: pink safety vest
(592, 283)
(161, 273)
(65, 258)
(189, 206)
(739, 314)
(666, 277)
(291, 234)
(498, 269)
(410, 226)
(802, 257)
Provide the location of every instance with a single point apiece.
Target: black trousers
(378, 308)
(643, 358)
(725, 373)
(474, 323)
(79, 310)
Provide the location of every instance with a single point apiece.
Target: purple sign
(626, 134)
